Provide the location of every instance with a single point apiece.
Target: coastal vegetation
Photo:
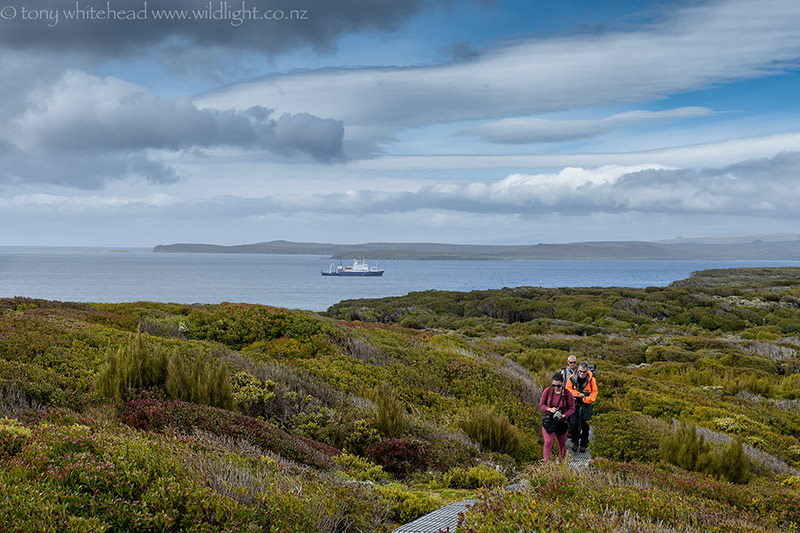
(785, 248)
(155, 416)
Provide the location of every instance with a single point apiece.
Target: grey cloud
(87, 113)
(764, 187)
(315, 23)
(81, 171)
(105, 128)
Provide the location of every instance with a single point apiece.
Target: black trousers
(580, 433)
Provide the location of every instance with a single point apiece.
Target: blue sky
(468, 121)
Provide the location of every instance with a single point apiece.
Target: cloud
(81, 170)
(83, 118)
(523, 130)
(696, 48)
(763, 187)
(719, 153)
(131, 27)
(87, 113)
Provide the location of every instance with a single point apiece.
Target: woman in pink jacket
(557, 404)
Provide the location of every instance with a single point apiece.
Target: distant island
(766, 247)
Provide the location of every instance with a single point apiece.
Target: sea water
(294, 281)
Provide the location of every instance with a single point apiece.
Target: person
(583, 387)
(557, 405)
(572, 366)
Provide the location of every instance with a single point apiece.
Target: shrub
(156, 415)
(13, 436)
(142, 365)
(135, 365)
(493, 431)
(474, 478)
(359, 468)
(624, 436)
(390, 419)
(344, 431)
(405, 505)
(400, 456)
(250, 394)
(687, 449)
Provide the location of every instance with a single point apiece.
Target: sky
(136, 123)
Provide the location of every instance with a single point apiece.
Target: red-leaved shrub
(399, 455)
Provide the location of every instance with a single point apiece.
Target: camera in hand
(557, 415)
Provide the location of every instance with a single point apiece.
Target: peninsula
(763, 248)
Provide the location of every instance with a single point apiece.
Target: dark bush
(400, 455)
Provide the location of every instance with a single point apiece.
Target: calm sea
(294, 281)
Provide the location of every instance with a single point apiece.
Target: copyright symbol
(8, 13)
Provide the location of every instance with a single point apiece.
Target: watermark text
(233, 13)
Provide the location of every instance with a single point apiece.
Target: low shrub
(359, 467)
(473, 478)
(156, 415)
(13, 436)
(493, 431)
(400, 455)
(405, 505)
(624, 436)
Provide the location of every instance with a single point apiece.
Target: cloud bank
(761, 188)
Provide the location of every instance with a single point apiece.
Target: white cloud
(718, 153)
(763, 187)
(521, 130)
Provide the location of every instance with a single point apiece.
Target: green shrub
(13, 436)
(158, 415)
(473, 478)
(359, 468)
(624, 436)
(134, 365)
(405, 505)
(141, 364)
(685, 448)
(390, 419)
(493, 431)
(732, 464)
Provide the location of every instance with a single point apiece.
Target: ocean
(294, 281)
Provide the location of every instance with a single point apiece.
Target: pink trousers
(549, 439)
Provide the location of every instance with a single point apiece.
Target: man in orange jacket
(583, 387)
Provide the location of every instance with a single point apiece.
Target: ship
(358, 268)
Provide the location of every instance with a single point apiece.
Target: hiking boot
(582, 449)
(575, 447)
